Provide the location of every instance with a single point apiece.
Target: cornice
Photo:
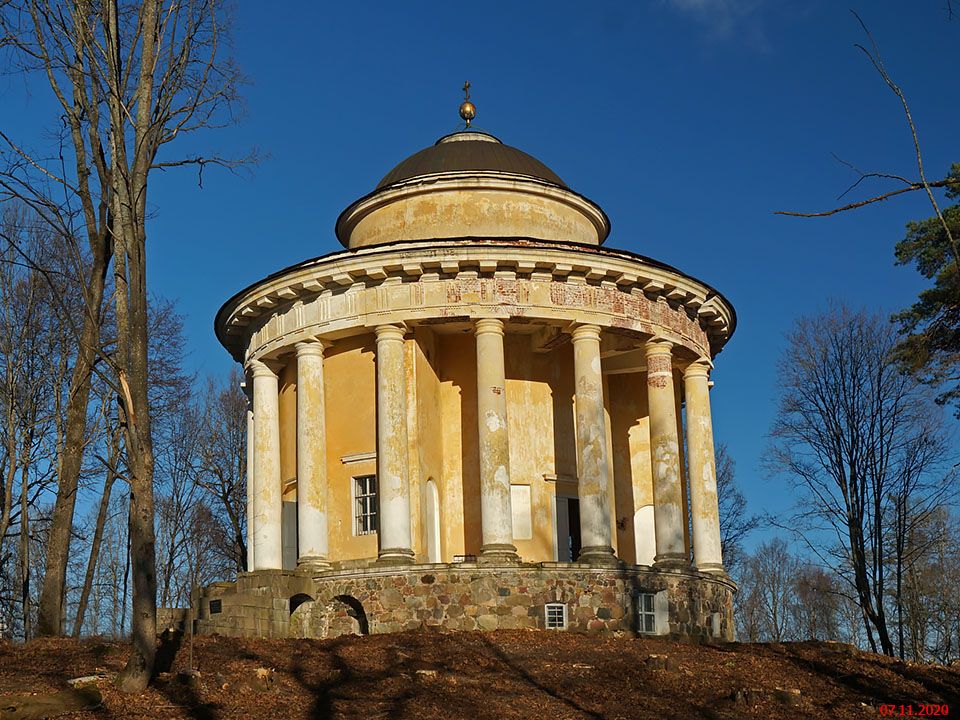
(472, 259)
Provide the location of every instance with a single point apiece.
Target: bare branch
(878, 198)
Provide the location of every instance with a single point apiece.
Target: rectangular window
(647, 614)
(365, 504)
(556, 616)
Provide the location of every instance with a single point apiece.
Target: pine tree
(931, 348)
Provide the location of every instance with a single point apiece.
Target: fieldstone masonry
(463, 597)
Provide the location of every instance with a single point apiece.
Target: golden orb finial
(468, 111)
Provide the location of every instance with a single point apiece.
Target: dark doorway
(573, 522)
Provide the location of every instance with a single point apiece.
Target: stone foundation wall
(466, 597)
(256, 605)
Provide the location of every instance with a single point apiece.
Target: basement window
(646, 613)
(555, 615)
(653, 613)
(365, 505)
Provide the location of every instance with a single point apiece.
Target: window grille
(365, 504)
(556, 616)
(647, 615)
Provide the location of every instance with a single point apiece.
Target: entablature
(523, 280)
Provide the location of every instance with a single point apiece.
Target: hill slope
(505, 674)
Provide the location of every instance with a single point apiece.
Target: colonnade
(595, 484)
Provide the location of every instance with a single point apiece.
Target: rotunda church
(477, 416)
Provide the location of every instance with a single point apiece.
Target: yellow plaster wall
(557, 367)
(428, 427)
(461, 462)
(614, 535)
(539, 391)
(530, 423)
(632, 470)
(451, 213)
(288, 429)
(351, 402)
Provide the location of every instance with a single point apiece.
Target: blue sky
(688, 121)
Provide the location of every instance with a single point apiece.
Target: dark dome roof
(469, 150)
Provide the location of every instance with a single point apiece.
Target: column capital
(258, 368)
(586, 331)
(390, 332)
(312, 347)
(484, 326)
(700, 367)
(658, 346)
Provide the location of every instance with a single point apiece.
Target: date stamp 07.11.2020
(919, 710)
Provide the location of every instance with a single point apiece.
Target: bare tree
(768, 590)
(222, 460)
(111, 463)
(31, 369)
(845, 433)
(130, 77)
(816, 607)
(736, 523)
(930, 597)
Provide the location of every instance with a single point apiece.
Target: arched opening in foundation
(432, 522)
(347, 617)
(302, 623)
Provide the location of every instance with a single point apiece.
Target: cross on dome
(468, 111)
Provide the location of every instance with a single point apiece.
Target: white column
(665, 455)
(268, 546)
(703, 469)
(593, 480)
(311, 457)
(496, 517)
(248, 391)
(393, 484)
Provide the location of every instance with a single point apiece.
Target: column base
(601, 555)
(313, 564)
(395, 556)
(672, 561)
(498, 553)
(713, 569)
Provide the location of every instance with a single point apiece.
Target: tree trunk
(95, 544)
(130, 272)
(52, 605)
(125, 585)
(25, 540)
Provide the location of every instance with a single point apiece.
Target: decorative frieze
(411, 282)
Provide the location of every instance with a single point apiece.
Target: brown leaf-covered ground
(503, 675)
